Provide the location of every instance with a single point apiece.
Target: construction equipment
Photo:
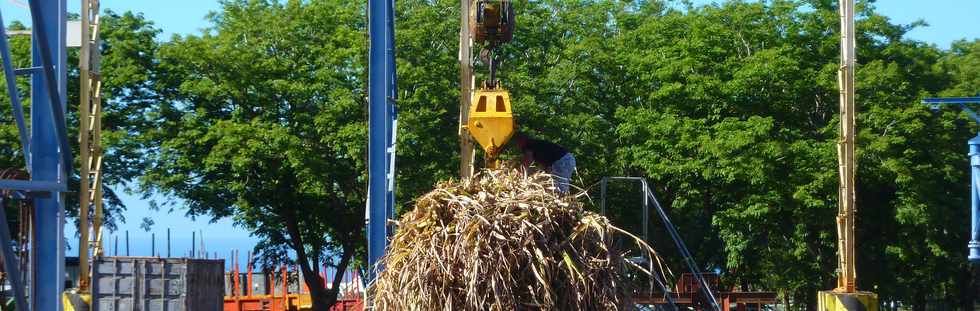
(90, 141)
(845, 151)
(492, 22)
(466, 86)
(47, 154)
(382, 126)
(846, 296)
(491, 124)
(491, 120)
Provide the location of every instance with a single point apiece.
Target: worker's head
(520, 139)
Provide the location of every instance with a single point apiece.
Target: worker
(554, 159)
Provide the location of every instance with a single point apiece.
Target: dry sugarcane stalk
(504, 240)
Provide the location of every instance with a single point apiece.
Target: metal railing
(648, 197)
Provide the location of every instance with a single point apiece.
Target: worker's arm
(528, 159)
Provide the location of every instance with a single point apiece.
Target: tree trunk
(968, 284)
(919, 300)
(345, 260)
(811, 299)
(319, 295)
(322, 297)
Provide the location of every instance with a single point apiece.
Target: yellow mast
(846, 297)
(466, 85)
(845, 153)
(90, 140)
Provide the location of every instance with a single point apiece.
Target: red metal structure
(350, 298)
(687, 294)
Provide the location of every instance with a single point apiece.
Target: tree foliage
(127, 47)
(730, 109)
(261, 119)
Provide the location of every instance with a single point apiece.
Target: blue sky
(948, 20)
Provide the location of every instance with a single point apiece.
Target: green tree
(738, 126)
(262, 120)
(128, 49)
(729, 109)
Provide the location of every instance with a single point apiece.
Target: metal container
(157, 284)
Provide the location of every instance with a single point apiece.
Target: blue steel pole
(974, 244)
(47, 263)
(48, 62)
(380, 80)
(392, 118)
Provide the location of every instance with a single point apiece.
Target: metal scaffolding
(46, 151)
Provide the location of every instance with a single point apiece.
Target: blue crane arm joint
(974, 244)
(381, 130)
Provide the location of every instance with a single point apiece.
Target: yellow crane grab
(487, 115)
(491, 122)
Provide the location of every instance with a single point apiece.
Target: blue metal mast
(47, 155)
(381, 129)
(974, 154)
(48, 109)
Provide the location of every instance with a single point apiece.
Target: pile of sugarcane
(503, 240)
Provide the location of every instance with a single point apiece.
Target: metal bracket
(33, 185)
(963, 102)
(27, 71)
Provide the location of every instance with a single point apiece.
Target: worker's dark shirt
(544, 152)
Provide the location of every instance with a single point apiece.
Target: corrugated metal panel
(157, 284)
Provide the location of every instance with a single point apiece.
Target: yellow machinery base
(73, 301)
(857, 301)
